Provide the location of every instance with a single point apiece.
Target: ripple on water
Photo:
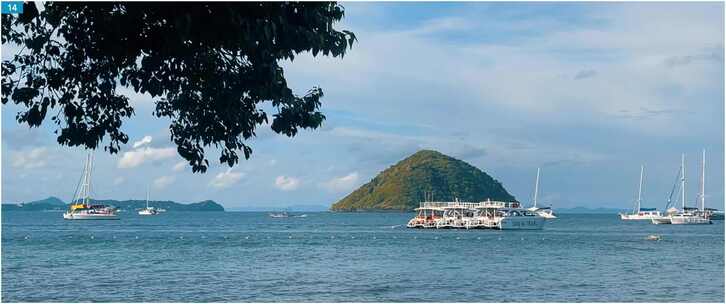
(326, 257)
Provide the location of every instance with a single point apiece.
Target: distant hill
(290, 208)
(48, 204)
(583, 210)
(54, 203)
(309, 208)
(401, 187)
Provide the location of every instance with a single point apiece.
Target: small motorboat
(654, 237)
(282, 214)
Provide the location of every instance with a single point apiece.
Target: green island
(402, 186)
(55, 204)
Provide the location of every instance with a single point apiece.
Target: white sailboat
(686, 216)
(640, 213)
(81, 207)
(148, 210)
(545, 212)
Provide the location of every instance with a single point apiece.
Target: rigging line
(675, 183)
(75, 193)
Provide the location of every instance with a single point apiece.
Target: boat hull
(661, 220)
(689, 220)
(547, 215)
(148, 212)
(76, 216)
(521, 223)
(638, 217)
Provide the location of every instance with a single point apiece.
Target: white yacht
(545, 212)
(81, 207)
(148, 210)
(638, 212)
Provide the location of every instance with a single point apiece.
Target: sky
(586, 91)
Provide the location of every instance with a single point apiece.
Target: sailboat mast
(85, 191)
(703, 181)
(147, 197)
(90, 170)
(640, 188)
(536, 189)
(683, 181)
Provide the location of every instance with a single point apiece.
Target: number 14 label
(12, 7)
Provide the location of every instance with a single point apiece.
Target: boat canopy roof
(648, 209)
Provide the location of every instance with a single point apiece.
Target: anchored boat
(688, 216)
(148, 210)
(638, 212)
(545, 212)
(81, 207)
(282, 214)
(470, 215)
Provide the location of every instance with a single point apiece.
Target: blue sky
(587, 91)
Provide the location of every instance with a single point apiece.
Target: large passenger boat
(470, 215)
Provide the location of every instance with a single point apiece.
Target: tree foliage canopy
(208, 66)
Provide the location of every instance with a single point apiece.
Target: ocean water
(324, 257)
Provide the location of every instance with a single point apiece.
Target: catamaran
(688, 216)
(638, 212)
(81, 207)
(148, 210)
(545, 212)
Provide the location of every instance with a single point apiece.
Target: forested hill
(402, 186)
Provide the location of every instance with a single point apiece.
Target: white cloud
(626, 47)
(226, 179)
(35, 158)
(144, 141)
(137, 157)
(286, 183)
(180, 166)
(119, 180)
(343, 183)
(163, 181)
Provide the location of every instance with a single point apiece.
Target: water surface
(324, 257)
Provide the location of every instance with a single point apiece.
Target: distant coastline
(56, 204)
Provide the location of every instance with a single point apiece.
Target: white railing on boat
(466, 205)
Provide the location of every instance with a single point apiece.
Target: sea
(353, 257)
